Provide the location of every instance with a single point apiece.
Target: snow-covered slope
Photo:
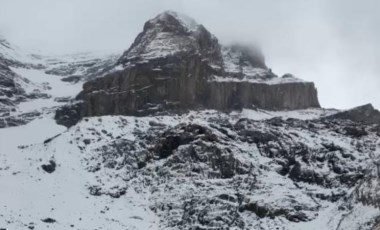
(16, 55)
(170, 35)
(30, 84)
(82, 66)
(201, 169)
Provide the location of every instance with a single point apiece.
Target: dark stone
(355, 131)
(297, 217)
(141, 165)
(333, 197)
(95, 190)
(2, 123)
(50, 139)
(331, 147)
(264, 211)
(62, 99)
(276, 121)
(68, 115)
(254, 136)
(15, 121)
(200, 147)
(169, 144)
(72, 79)
(170, 140)
(49, 220)
(227, 197)
(87, 141)
(297, 173)
(49, 168)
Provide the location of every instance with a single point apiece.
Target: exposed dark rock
(22, 119)
(297, 173)
(199, 212)
(49, 168)
(50, 139)
(62, 99)
(87, 141)
(172, 139)
(333, 197)
(9, 88)
(263, 211)
(68, 115)
(198, 146)
(49, 220)
(355, 131)
(363, 114)
(2, 123)
(72, 79)
(38, 95)
(331, 147)
(95, 190)
(237, 95)
(258, 137)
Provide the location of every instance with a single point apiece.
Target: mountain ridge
(180, 167)
(170, 66)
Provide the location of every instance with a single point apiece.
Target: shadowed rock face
(10, 91)
(237, 95)
(177, 64)
(363, 114)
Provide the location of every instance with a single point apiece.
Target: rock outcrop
(176, 63)
(363, 114)
(217, 171)
(10, 90)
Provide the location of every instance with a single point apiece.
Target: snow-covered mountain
(178, 167)
(31, 83)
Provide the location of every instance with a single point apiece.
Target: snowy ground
(49, 84)
(28, 194)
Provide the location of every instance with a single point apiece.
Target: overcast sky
(334, 43)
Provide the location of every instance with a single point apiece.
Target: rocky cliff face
(237, 95)
(176, 63)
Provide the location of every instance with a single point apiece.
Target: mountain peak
(171, 34)
(172, 17)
